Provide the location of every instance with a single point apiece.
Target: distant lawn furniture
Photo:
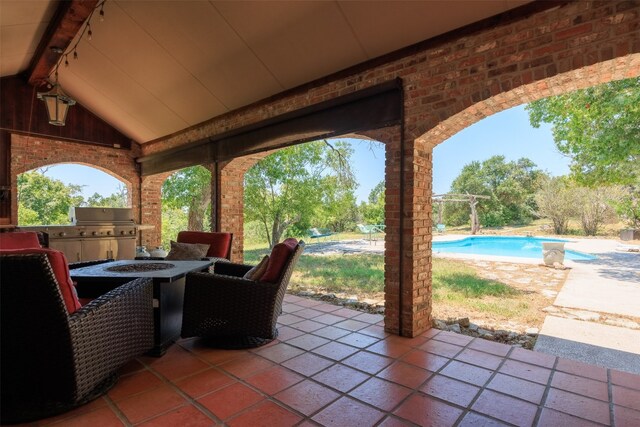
(319, 233)
(440, 228)
(371, 230)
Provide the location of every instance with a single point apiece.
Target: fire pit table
(168, 290)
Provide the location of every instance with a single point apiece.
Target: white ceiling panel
(203, 43)
(111, 83)
(297, 42)
(156, 67)
(22, 24)
(414, 21)
(20, 12)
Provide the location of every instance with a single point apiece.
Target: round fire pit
(136, 268)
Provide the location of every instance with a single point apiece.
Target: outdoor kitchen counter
(168, 291)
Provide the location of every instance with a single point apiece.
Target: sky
(507, 133)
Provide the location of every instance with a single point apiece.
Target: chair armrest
(227, 290)
(231, 269)
(80, 264)
(111, 330)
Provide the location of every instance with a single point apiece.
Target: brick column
(231, 199)
(151, 210)
(416, 238)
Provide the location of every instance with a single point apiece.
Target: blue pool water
(524, 247)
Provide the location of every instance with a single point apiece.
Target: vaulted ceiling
(153, 68)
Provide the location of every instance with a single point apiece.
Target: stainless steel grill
(101, 216)
(95, 233)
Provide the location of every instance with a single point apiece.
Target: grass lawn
(361, 275)
(459, 290)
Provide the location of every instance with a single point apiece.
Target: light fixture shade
(57, 103)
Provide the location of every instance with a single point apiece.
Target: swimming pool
(523, 247)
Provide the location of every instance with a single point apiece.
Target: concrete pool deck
(609, 284)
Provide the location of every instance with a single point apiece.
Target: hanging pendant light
(57, 103)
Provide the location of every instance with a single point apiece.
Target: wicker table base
(168, 291)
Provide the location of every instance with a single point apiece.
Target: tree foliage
(373, 211)
(115, 200)
(556, 200)
(303, 186)
(43, 200)
(627, 205)
(599, 128)
(595, 208)
(173, 221)
(510, 185)
(189, 190)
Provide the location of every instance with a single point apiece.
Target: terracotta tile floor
(334, 366)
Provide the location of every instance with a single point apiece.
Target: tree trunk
(198, 209)
(560, 225)
(277, 229)
(475, 224)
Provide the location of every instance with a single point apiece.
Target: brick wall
(231, 199)
(28, 153)
(151, 197)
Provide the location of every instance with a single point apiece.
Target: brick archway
(616, 69)
(231, 189)
(29, 153)
(603, 72)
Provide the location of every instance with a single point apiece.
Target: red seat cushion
(19, 240)
(61, 272)
(278, 259)
(219, 243)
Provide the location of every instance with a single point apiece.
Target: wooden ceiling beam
(65, 24)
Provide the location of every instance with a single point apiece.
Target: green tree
(189, 191)
(338, 210)
(599, 128)
(373, 211)
(627, 205)
(115, 200)
(510, 185)
(173, 221)
(557, 200)
(298, 186)
(594, 208)
(45, 200)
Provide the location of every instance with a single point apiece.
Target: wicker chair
(52, 361)
(229, 311)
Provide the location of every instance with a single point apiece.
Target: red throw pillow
(19, 240)
(60, 271)
(279, 256)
